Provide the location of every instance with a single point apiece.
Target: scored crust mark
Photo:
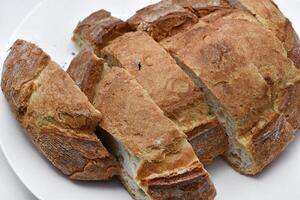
(202, 7)
(56, 114)
(83, 160)
(182, 187)
(170, 88)
(162, 20)
(98, 29)
(254, 112)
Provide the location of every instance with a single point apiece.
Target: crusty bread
(56, 114)
(269, 15)
(162, 19)
(158, 73)
(156, 160)
(89, 72)
(202, 7)
(246, 78)
(168, 17)
(171, 89)
(97, 29)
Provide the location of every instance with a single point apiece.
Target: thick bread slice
(156, 160)
(162, 19)
(171, 89)
(97, 29)
(57, 115)
(269, 15)
(246, 79)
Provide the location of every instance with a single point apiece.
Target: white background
(11, 14)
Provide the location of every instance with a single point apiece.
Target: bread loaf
(156, 160)
(250, 68)
(57, 115)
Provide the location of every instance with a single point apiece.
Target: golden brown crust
(143, 120)
(270, 141)
(57, 115)
(269, 15)
(202, 7)
(208, 141)
(214, 60)
(249, 75)
(168, 165)
(183, 186)
(130, 115)
(155, 70)
(98, 29)
(162, 20)
(86, 69)
(19, 72)
(292, 107)
(170, 88)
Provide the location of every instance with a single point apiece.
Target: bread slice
(162, 20)
(156, 160)
(171, 89)
(57, 115)
(246, 79)
(97, 29)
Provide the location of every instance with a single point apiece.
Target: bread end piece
(61, 124)
(98, 29)
(162, 19)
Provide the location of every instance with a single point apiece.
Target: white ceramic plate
(50, 25)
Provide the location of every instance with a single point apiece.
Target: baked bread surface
(252, 68)
(171, 89)
(97, 29)
(156, 160)
(56, 114)
(162, 20)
